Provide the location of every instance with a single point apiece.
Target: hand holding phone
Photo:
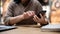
(42, 13)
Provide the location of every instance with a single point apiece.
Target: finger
(24, 12)
(34, 19)
(37, 18)
(41, 15)
(28, 13)
(32, 13)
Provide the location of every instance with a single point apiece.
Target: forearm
(14, 20)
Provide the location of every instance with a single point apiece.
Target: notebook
(5, 28)
(51, 27)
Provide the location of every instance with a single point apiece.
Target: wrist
(45, 22)
(21, 17)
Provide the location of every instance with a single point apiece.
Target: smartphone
(42, 13)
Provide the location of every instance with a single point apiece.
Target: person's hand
(28, 14)
(39, 20)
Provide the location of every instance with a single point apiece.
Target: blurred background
(55, 11)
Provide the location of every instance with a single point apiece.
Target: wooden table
(27, 29)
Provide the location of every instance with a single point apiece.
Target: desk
(28, 29)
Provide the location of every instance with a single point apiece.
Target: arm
(9, 18)
(13, 20)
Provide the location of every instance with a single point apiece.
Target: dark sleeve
(9, 13)
(38, 7)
